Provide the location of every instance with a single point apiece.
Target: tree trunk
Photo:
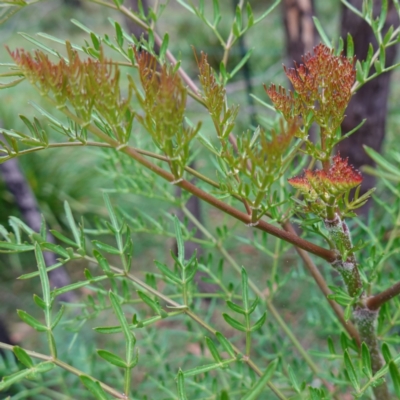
(370, 102)
(300, 30)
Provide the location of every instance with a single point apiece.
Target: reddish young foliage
(340, 178)
(323, 85)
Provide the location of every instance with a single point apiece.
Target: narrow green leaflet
(321, 32)
(7, 247)
(33, 322)
(112, 358)
(181, 386)
(258, 388)
(366, 361)
(395, 375)
(213, 350)
(225, 344)
(72, 224)
(179, 240)
(44, 279)
(94, 387)
(233, 323)
(23, 356)
(351, 371)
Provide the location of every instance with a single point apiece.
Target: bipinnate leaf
(257, 389)
(112, 358)
(94, 387)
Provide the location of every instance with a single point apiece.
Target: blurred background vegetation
(80, 176)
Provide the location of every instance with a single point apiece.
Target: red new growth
(340, 178)
(323, 85)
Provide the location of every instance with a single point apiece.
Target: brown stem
(319, 279)
(374, 302)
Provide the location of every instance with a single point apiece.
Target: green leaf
(72, 224)
(217, 14)
(11, 84)
(268, 11)
(181, 386)
(241, 63)
(44, 367)
(225, 344)
(15, 247)
(94, 387)
(55, 248)
(10, 380)
(179, 240)
(39, 302)
(259, 323)
(394, 373)
(224, 74)
(213, 350)
(383, 14)
(58, 317)
(293, 380)
(382, 161)
(120, 35)
(167, 272)
(250, 16)
(44, 279)
(350, 46)
(233, 323)
(23, 356)
(366, 360)
(257, 389)
(164, 47)
(106, 247)
(202, 369)
(129, 336)
(386, 353)
(382, 56)
(234, 307)
(351, 371)
(112, 358)
(321, 32)
(152, 304)
(33, 322)
(63, 238)
(104, 265)
(245, 289)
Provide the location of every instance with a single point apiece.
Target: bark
(371, 101)
(26, 202)
(300, 30)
